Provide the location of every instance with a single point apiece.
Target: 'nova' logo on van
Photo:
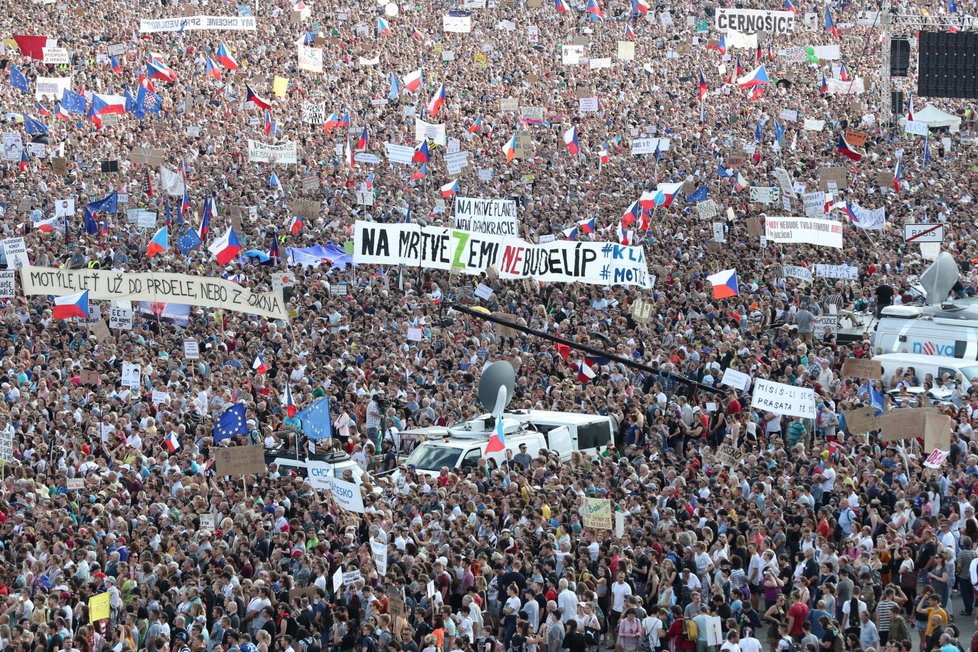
(929, 348)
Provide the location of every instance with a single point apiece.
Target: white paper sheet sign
(736, 379)
(130, 375)
(8, 284)
(191, 349)
(787, 400)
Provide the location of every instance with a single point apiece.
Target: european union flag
(19, 81)
(73, 102)
(698, 195)
(315, 420)
(231, 424)
(188, 242)
(108, 204)
(723, 172)
(133, 107)
(34, 126)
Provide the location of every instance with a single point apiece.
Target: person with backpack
(679, 638)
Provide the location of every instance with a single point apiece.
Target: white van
(460, 452)
(336, 463)
(934, 365)
(588, 432)
(908, 329)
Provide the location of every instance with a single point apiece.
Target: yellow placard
(597, 513)
(280, 86)
(481, 59)
(98, 607)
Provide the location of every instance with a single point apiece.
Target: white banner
(105, 285)
(425, 130)
(456, 24)
(259, 152)
(313, 113)
(741, 41)
(347, 495)
(52, 87)
(751, 21)
(802, 274)
(826, 326)
(814, 203)
(736, 379)
(196, 23)
(15, 251)
(869, 219)
(310, 59)
(844, 272)
(854, 86)
(403, 154)
(490, 216)
(379, 552)
(597, 263)
(823, 233)
(787, 400)
(56, 56)
(648, 145)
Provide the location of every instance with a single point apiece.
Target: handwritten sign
(597, 513)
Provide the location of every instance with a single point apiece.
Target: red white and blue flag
(71, 305)
(413, 80)
(449, 189)
(256, 99)
(290, 407)
(724, 284)
(570, 139)
(436, 100)
(594, 8)
(223, 56)
(259, 365)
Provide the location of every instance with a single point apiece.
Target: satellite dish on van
(496, 387)
(938, 279)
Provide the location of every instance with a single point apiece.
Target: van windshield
(432, 458)
(970, 372)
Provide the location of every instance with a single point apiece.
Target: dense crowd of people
(818, 540)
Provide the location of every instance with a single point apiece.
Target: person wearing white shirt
(567, 601)
(619, 591)
(748, 643)
(730, 645)
(653, 627)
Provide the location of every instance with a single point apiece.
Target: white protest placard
(456, 162)
(786, 400)
(588, 104)
(347, 495)
(798, 272)
(51, 87)
(814, 203)
(483, 291)
(923, 233)
(146, 220)
(338, 579)
(485, 174)
(598, 64)
(352, 577)
(490, 216)
(197, 23)
(916, 127)
(736, 379)
(718, 232)
(130, 375)
(448, 55)
(313, 113)
(415, 335)
(64, 207)
(823, 233)
(378, 551)
(572, 55)
(15, 250)
(784, 181)
(56, 56)
(473, 253)
(814, 125)
(751, 21)
(310, 59)
(789, 115)
(425, 130)
(365, 198)
(191, 349)
(826, 326)
(74, 484)
(764, 194)
(121, 315)
(649, 145)
(844, 272)
(7, 446)
(159, 397)
(626, 50)
(456, 24)
(403, 154)
(259, 152)
(8, 286)
(707, 209)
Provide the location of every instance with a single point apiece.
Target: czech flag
(789, 6)
(632, 213)
(47, 226)
(211, 69)
(156, 69)
(603, 154)
(585, 373)
(369, 183)
(910, 109)
(71, 305)
(476, 126)
(383, 27)
(226, 247)
(344, 119)
(741, 183)
(757, 77)
(449, 189)
(413, 80)
(509, 149)
(668, 192)
(348, 154)
(114, 65)
(845, 208)
(43, 110)
(223, 56)
(420, 173)
(363, 140)
(172, 442)
(830, 24)
(436, 100)
(287, 402)
(332, 122)
(640, 6)
(570, 139)
(594, 8)
(159, 244)
(259, 365)
(897, 177)
(497, 442)
(560, 6)
(843, 73)
(703, 89)
(720, 46)
(724, 284)
(629, 33)
(587, 226)
(421, 154)
(823, 86)
(847, 150)
(24, 162)
(102, 104)
(256, 99)
(268, 122)
(295, 225)
(625, 237)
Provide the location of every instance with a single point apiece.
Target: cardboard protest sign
(856, 138)
(728, 455)
(856, 368)
(305, 592)
(905, 423)
(307, 208)
(240, 460)
(861, 420)
(937, 432)
(837, 174)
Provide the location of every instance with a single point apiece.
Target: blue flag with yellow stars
(231, 424)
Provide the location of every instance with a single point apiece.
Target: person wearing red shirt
(677, 632)
(797, 614)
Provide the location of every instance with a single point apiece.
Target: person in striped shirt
(884, 611)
